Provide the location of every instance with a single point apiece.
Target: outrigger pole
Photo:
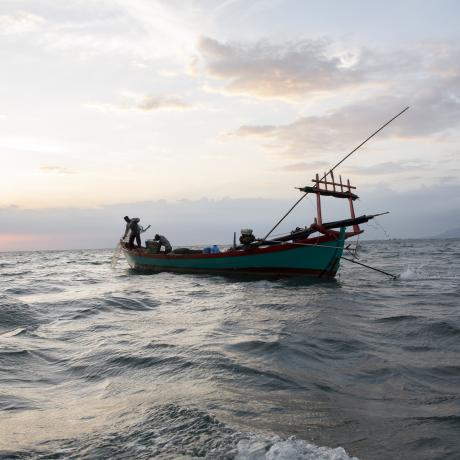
(332, 169)
(395, 277)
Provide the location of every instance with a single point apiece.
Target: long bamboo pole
(395, 277)
(332, 169)
(344, 258)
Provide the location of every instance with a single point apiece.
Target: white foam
(275, 448)
(408, 274)
(412, 273)
(16, 331)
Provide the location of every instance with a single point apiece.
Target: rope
(383, 229)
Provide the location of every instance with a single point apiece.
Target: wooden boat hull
(318, 257)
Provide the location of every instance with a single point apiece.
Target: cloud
(145, 103)
(19, 23)
(426, 77)
(140, 29)
(151, 102)
(450, 179)
(36, 144)
(434, 110)
(313, 134)
(296, 69)
(57, 169)
(389, 167)
(282, 71)
(304, 166)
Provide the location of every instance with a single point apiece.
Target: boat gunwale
(309, 242)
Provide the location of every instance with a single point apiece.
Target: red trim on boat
(142, 252)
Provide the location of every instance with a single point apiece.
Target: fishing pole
(372, 268)
(342, 257)
(334, 167)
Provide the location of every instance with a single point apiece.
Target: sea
(99, 362)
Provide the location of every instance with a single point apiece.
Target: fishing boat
(315, 250)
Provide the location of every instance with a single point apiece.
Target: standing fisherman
(132, 225)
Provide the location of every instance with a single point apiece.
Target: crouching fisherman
(163, 242)
(134, 230)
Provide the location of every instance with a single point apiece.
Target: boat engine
(247, 236)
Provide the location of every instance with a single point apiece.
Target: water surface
(96, 362)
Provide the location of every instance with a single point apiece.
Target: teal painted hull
(303, 258)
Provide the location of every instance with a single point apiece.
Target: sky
(201, 117)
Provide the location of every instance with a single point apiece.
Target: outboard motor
(247, 237)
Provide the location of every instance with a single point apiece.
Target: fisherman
(132, 225)
(163, 242)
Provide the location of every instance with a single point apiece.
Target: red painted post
(318, 202)
(356, 228)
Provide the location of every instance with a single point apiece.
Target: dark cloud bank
(420, 213)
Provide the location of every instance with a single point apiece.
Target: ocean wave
(14, 332)
(452, 420)
(38, 288)
(257, 346)
(16, 314)
(446, 371)
(398, 319)
(338, 347)
(102, 365)
(127, 303)
(439, 329)
(276, 448)
(174, 432)
(16, 403)
(172, 363)
(28, 367)
(255, 376)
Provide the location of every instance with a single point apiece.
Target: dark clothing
(134, 230)
(164, 242)
(133, 226)
(132, 237)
